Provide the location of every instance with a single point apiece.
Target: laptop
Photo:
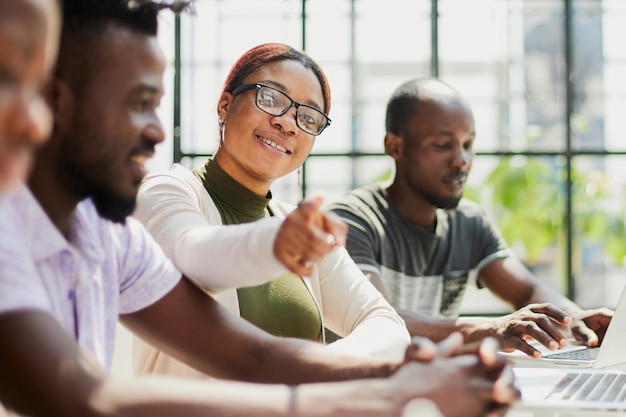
(612, 352)
(571, 389)
(569, 385)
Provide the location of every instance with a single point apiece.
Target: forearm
(372, 398)
(433, 328)
(188, 228)
(217, 343)
(476, 328)
(437, 329)
(509, 280)
(45, 374)
(156, 397)
(368, 323)
(160, 397)
(242, 254)
(377, 337)
(294, 361)
(543, 294)
(166, 397)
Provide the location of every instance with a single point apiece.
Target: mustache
(459, 175)
(146, 149)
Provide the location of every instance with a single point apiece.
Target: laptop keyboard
(595, 387)
(581, 354)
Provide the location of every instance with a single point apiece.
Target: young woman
(274, 103)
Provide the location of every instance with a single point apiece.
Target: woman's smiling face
(258, 148)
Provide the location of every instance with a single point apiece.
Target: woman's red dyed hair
(266, 53)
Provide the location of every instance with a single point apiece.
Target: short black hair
(403, 103)
(85, 21)
(90, 16)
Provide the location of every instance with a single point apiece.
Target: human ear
(394, 145)
(58, 95)
(60, 100)
(223, 105)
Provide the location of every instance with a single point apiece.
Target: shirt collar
(45, 238)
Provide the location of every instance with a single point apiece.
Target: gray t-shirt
(422, 270)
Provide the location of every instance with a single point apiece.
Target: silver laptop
(579, 389)
(567, 386)
(612, 351)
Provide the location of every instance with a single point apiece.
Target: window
(544, 77)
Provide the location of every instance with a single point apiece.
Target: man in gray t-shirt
(418, 241)
(422, 270)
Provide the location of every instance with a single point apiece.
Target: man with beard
(418, 241)
(71, 262)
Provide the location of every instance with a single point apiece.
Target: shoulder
(362, 199)
(177, 175)
(468, 209)
(9, 214)
(469, 214)
(111, 236)
(17, 206)
(16, 219)
(23, 219)
(365, 209)
(164, 190)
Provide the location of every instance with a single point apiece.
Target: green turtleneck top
(284, 306)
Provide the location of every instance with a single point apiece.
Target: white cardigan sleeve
(355, 309)
(178, 212)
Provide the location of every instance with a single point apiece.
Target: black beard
(445, 203)
(80, 181)
(111, 206)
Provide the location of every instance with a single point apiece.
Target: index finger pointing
(335, 226)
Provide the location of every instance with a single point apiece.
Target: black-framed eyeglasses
(273, 101)
(176, 6)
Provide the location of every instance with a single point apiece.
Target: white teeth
(274, 145)
(139, 159)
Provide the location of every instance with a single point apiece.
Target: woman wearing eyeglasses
(274, 103)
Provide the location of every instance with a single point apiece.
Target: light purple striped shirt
(105, 269)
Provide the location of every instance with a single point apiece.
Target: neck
(419, 211)
(56, 201)
(259, 187)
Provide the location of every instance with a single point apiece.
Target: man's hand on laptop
(543, 322)
(589, 326)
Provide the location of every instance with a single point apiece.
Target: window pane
(334, 176)
(389, 48)
(614, 86)
(599, 219)
(507, 58)
(587, 61)
(525, 197)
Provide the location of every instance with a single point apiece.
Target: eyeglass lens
(276, 103)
